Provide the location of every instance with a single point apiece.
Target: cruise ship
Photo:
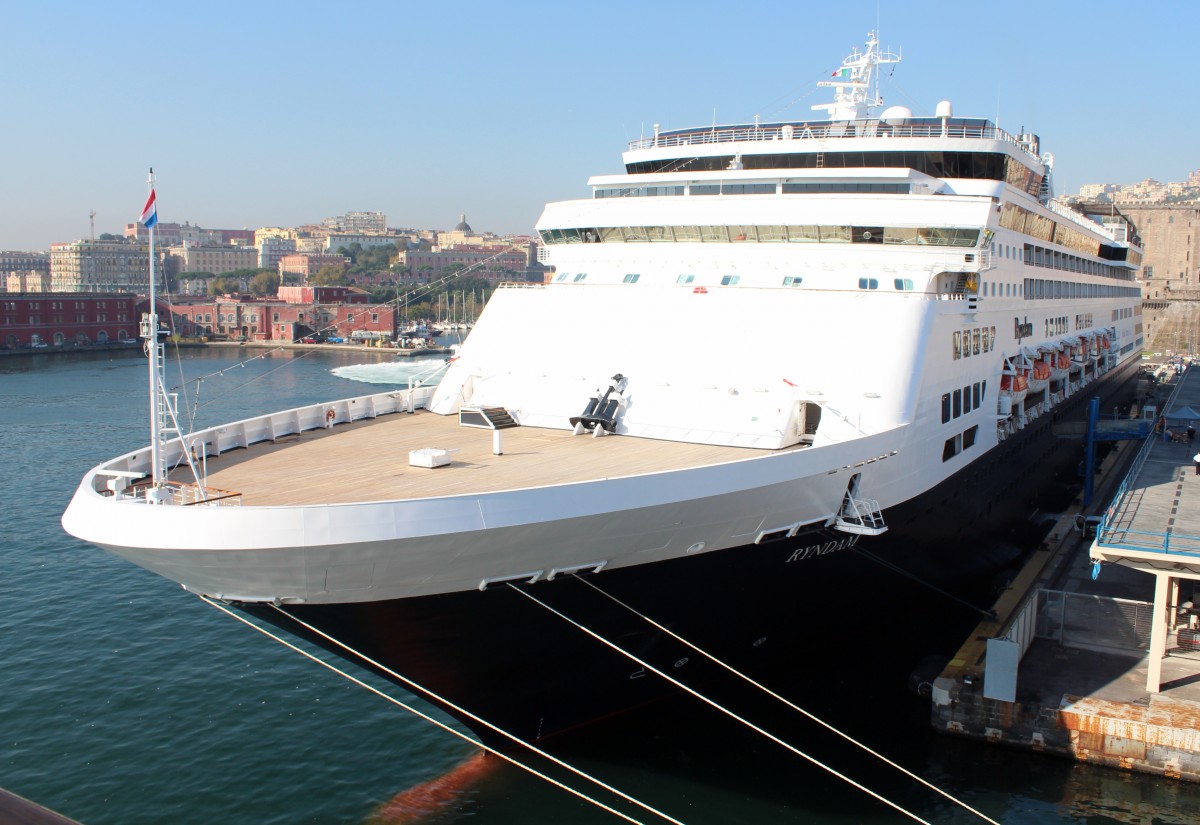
(771, 349)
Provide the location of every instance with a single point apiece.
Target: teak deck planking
(368, 461)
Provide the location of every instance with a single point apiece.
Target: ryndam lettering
(814, 550)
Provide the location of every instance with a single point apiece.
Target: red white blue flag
(149, 212)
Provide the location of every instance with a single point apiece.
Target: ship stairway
(486, 418)
(861, 516)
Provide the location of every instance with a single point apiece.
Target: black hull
(776, 611)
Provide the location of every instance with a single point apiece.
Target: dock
(1093, 653)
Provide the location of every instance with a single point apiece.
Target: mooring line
(724, 709)
(475, 718)
(430, 719)
(807, 714)
(895, 568)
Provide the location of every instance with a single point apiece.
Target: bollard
(496, 448)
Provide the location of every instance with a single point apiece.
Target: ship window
(560, 277)
(945, 408)
(706, 188)
(803, 234)
(900, 235)
(866, 234)
(685, 279)
(580, 277)
(792, 280)
(957, 345)
(983, 390)
(730, 280)
(958, 403)
(952, 448)
(835, 234)
(975, 342)
(659, 233)
(904, 284)
(966, 391)
(968, 437)
(687, 233)
(975, 396)
(772, 234)
(714, 233)
(748, 189)
(868, 283)
(632, 279)
(743, 233)
(635, 234)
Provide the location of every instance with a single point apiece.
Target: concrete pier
(1104, 670)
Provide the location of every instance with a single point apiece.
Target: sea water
(124, 699)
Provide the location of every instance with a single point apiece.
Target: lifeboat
(1038, 377)
(1060, 363)
(1014, 387)
(1078, 357)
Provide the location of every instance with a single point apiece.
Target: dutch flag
(149, 212)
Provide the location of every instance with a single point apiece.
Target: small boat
(1038, 377)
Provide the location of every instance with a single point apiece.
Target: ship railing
(1062, 210)
(120, 477)
(180, 493)
(824, 131)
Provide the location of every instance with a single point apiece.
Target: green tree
(265, 283)
(223, 284)
(328, 276)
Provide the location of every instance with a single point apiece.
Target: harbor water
(124, 699)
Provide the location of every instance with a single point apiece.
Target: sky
(277, 114)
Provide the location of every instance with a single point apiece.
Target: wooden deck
(368, 461)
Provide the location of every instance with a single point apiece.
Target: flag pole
(152, 352)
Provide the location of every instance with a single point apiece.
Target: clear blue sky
(262, 113)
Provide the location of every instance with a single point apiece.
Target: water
(125, 700)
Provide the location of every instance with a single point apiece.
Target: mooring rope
(724, 709)
(895, 568)
(807, 714)
(430, 719)
(475, 718)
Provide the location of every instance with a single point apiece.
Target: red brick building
(57, 319)
(246, 318)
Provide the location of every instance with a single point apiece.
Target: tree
(265, 283)
(328, 276)
(223, 284)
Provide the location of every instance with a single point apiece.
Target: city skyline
(283, 114)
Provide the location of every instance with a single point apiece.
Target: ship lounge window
(866, 234)
(685, 279)
(748, 189)
(710, 234)
(868, 283)
(835, 234)
(792, 280)
(632, 278)
(975, 395)
(730, 280)
(659, 234)
(686, 233)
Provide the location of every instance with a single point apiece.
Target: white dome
(944, 109)
(895, 115)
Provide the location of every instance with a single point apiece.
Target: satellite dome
(944, 109)
(895, 115)
(463, 226)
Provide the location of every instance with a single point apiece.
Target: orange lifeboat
(1039, 376)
